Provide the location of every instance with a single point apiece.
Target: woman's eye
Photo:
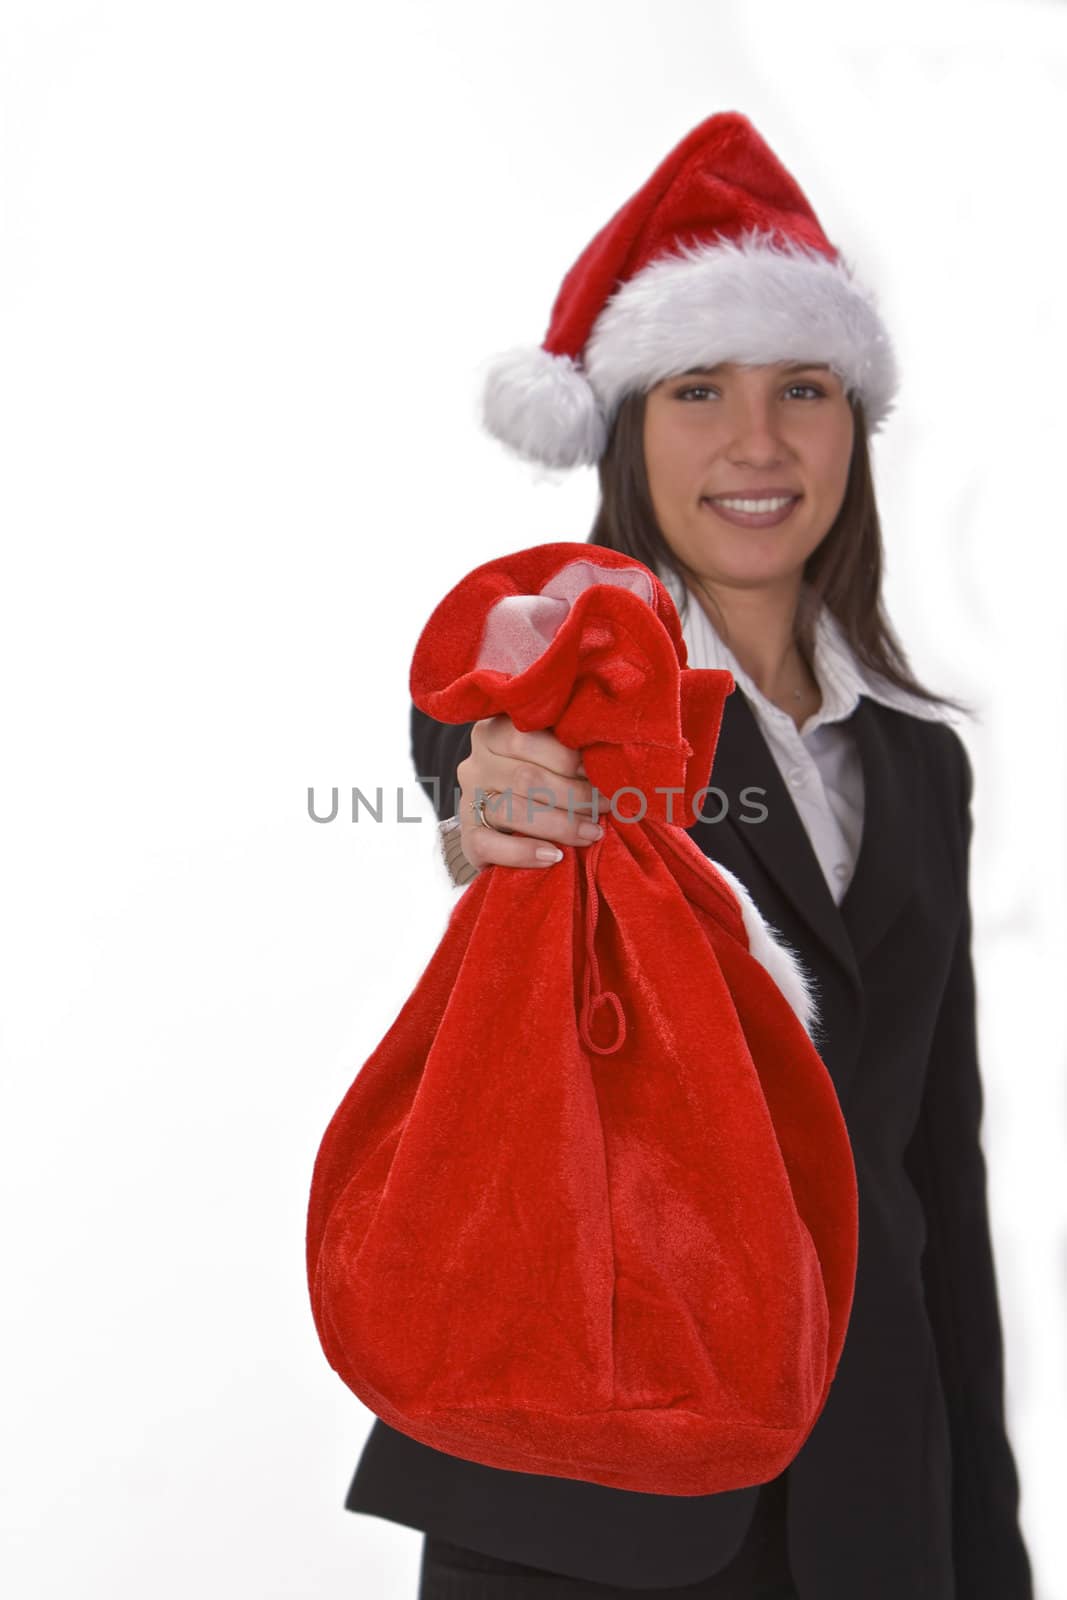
(699, 390)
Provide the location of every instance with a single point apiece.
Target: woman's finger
(552, 775)
(535, 807)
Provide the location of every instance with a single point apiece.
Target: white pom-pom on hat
(544, 407)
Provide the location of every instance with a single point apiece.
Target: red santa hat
(717, 257)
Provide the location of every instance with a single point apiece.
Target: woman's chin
(753, 567)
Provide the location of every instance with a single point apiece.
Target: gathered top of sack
(587, 641)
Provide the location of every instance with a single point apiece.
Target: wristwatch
(460, 870)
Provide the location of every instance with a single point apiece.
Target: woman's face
(744, 432)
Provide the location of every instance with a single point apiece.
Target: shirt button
(841, 869)
(796, 777)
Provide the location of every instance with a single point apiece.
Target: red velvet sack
(589, 1209)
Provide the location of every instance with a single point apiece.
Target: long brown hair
(844, 572)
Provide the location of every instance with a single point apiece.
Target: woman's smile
(751, 511)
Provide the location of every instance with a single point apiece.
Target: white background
(252, 257)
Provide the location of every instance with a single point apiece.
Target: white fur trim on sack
(774, 955)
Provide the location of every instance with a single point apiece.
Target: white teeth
(754, 505)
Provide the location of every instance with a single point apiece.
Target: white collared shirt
(819, 762)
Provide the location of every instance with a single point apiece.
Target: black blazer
(906, 1488)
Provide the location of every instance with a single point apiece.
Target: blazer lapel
(883, 874)
(884, 877)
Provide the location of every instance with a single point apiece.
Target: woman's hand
(543, 793)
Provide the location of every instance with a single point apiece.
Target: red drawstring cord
(591, 972)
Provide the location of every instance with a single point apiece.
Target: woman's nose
(754, 433)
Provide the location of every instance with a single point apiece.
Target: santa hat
(718, 257)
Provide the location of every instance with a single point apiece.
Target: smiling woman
(715, 357)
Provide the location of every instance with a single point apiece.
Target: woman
(714, 357)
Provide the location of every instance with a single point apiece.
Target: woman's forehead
(759, 366)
